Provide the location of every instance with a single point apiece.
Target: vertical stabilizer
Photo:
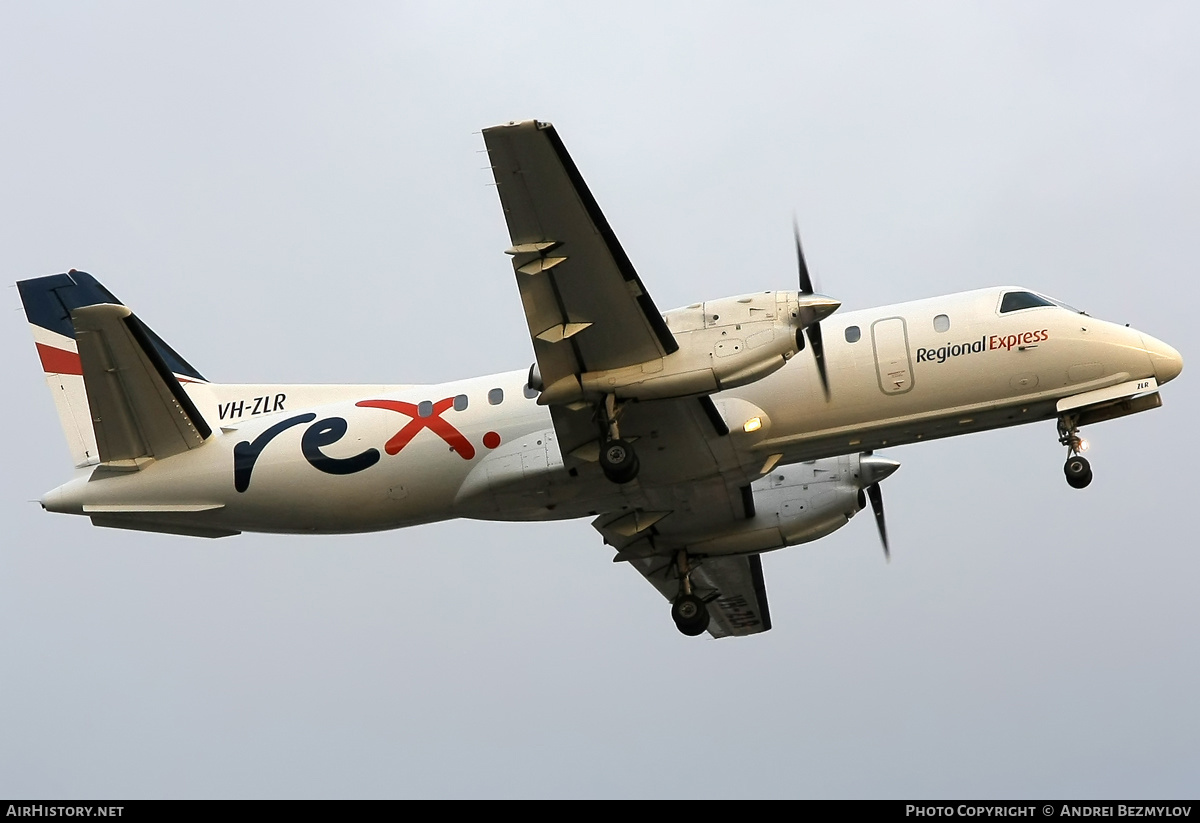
(49, 302)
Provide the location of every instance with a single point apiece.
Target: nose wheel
(1077, 469)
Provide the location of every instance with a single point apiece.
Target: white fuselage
(363, 458)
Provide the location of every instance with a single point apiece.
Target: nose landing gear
(688, 611)
(1077, 469)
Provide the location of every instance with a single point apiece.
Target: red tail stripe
(58, 361)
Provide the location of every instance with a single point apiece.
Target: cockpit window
(1017, 300)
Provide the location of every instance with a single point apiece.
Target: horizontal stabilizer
(139, 410)
(162, 524)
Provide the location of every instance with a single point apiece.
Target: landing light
(752, 425)
(1083, 445)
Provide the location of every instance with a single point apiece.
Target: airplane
(697, 439)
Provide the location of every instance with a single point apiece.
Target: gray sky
(294, 193)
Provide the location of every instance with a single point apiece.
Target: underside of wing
(585, 305)
(654, 541)
(733, 588)
(695, 502)
(677, 440)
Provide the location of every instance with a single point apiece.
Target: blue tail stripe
(49, 300)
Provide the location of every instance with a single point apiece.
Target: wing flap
(138, 408)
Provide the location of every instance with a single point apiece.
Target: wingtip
(520, 124)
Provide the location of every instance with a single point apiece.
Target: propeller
(876, 495)
(814, 329)
(872, 470)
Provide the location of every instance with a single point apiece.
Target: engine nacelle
(792, 505)
(722, 344)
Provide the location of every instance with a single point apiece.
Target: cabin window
(1017, 300)
(460, 402)
(853, 334)
(941, 323)
(530, 392)
(425, 408)
(496, 397)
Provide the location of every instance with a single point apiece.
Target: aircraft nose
(1167, 362)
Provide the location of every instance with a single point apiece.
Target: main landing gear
(1077, 469)
(687, 610)
(618, 460)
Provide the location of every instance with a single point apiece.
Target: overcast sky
(295, 193)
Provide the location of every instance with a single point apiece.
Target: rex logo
(326, 432)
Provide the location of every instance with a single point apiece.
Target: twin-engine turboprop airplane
(697, 439)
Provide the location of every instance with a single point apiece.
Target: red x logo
(433, 422)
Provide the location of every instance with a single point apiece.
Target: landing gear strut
(618, 460)
(1077, 469)
(688, 611)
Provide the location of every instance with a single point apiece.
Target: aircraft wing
(693, 485)
(585, 305)
(587, 310)
(732, 586)
(739, 604)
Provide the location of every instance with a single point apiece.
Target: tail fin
(110, 360)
